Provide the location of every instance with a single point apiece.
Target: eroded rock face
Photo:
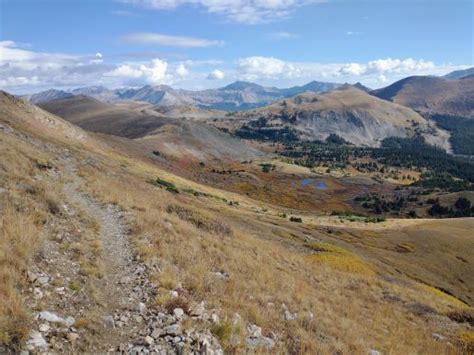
(352, 114)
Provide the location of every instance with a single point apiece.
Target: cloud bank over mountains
(25, 70)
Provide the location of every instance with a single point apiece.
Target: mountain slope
(459, 74)
(46, 96)
(175, 137)
(351, 113)
(432, 95)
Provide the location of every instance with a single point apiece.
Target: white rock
(149, 340)
(141, 308)
(50, 317)
(438, 337)
(254, 330)
(214, 318)
(69, 321)
(36, 340)
(178, 312)
(260, 342)
(290, 316)
(43, 280)
(156, 333)
(173, 294)
(44, 327)
(37, 293)
(173, 329)
(374, 352)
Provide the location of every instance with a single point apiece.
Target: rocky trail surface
(89, 292)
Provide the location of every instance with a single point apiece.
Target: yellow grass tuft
(339, 259)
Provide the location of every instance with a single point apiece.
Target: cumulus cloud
(240, 11)
(181, 71)
(169, 41)
(253, 68)
(153, 73)
(216, 75)
(388, 65)
(25, 70)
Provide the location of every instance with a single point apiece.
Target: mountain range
(239, 95)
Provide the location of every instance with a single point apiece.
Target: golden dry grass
(339, 299)
(340, 309)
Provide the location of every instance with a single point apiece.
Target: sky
(197, 44)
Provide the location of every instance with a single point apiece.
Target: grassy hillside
(71, 198)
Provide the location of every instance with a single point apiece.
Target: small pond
(317, 184)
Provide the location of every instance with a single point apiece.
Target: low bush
(169, 186)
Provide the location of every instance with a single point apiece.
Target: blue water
(318, 184)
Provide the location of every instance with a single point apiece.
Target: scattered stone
(178, 312)
(44, 327)
(438, 337)
(50, 317)
(109, 321)
(173, 294)
(214, 318)
(374, 352)
(37, 293)
(141, 308)
(36, 340)
(173, 329)
(54, 318)
(156, 333)
(69, 321)
(290, 316)
(254, 330)
(149, 340)
(43, 280)
(72, 337)
(256, 339)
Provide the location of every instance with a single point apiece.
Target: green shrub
(169, 186)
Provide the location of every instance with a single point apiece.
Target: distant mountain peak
(460, 74)
(242, 85)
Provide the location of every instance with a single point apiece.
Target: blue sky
(209, 43)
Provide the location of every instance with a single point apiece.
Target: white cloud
(382, 78)
(353, 33)
(170, 41)
(282, 35)
(153, 73)
(216, 75)
(253, 68)
(181, 71)
(388, 65)
(25, 70)
(240, 11)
